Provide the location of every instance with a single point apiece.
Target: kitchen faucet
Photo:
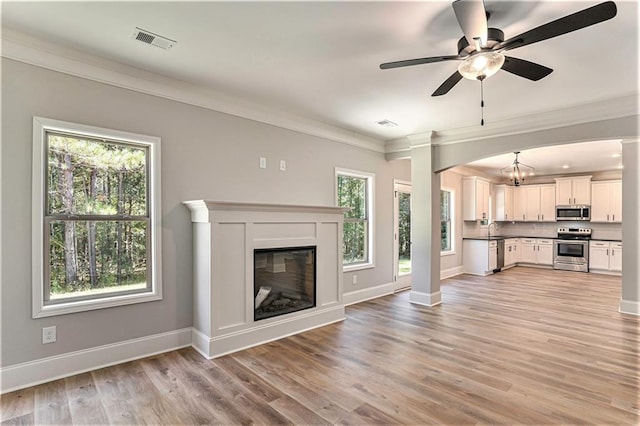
(489, 229)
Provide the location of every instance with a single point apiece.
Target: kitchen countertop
(491, 238)
(506, 237)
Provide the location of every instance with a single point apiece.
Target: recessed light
(565, 166)
(386, 123)
(615, 155)
(621, 166)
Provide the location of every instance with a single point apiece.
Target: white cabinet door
(528, 251)
(606, 201)
(601, 201)
(544, 255)
(616, 201)
(548, 203)
(615, 257)
(532, 196)
(564, 196)
(484, 191)
(581, 188)
(519, 204)
(503, 197)
(475, 205)
(599, 255)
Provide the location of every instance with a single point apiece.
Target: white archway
(432, 153)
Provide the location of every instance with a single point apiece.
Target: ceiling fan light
(481, 65)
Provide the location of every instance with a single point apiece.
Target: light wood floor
(526, 346)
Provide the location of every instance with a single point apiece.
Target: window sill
(447, 253)
(90, 305)
(358, 267)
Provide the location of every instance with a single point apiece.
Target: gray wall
(205, 154)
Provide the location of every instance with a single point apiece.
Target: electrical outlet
(354, 279)
(263, 162)
(48, 334)
(283, 165)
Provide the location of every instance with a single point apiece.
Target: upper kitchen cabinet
(503, 196)
(475, 192)
(534, 203)
(573, 191)
(606, 201)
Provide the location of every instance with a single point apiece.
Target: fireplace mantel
(225, 235)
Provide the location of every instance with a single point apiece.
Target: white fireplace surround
(225, 235)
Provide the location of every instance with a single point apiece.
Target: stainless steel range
(571, 249)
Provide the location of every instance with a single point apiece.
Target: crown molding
(25, 48)
(603, 109)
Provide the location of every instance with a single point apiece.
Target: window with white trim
(355, 190)
(446, 220)
(96, 210)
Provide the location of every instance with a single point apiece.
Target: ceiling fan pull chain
(482, 102)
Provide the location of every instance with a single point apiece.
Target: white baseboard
(451, 272)
(425, 299)
(358, 296)
(605, 272)
(44, 370)
(216, 346)
(629, 307)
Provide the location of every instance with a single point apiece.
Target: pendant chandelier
(517, 172)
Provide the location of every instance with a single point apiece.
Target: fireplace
(284, 281)
(241, 247)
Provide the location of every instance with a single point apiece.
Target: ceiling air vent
(386, 123)
(153, 39)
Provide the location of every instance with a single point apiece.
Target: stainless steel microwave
(573, 213)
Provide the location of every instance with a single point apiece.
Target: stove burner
(574, 233)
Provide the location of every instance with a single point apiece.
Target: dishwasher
(500, 255)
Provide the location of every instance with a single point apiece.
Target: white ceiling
(559, 160)
(320, 60)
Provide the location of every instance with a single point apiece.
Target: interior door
(402, 235)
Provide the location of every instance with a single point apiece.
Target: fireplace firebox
(284, 280)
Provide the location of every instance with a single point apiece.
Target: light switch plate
(283, 165)
(263, 162)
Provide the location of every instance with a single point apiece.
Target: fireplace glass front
(284, 281)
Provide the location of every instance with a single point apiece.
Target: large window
(446, 214)
(96, 205)
(355, 191)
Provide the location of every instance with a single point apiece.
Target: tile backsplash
(604, 231)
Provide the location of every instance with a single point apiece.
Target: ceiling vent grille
(148, 37)
(386, 123)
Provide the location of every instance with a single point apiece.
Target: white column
(425, 227)
(630, 298)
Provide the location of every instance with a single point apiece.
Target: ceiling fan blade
(419, 61)
(526, 69)
(448, 84)
(575, 21)
(472, 17)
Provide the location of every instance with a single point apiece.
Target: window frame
(452, 249)
(370, 203)
(40, 248)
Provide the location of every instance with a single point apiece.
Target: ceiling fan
(481, 49)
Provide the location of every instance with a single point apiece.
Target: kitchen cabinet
(605, 256)
(534, 203)
(475, 192)
(537, 251)
(606, 201)
(503, 197)
(573, 191)
(511, 252)
(480, 257)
